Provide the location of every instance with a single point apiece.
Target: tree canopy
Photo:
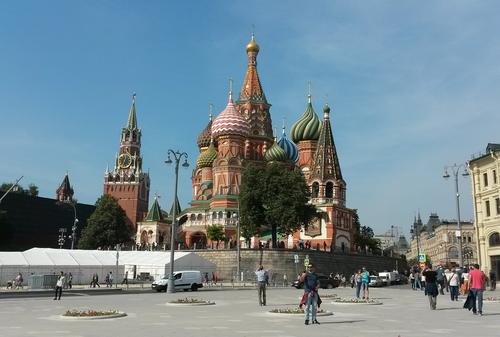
(32, 189)
(107, 226)
(274, 198)
(363, 236)
(216, 233)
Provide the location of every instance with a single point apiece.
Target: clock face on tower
(124, 160)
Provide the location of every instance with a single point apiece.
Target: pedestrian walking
(454, 281)
(125, 279)
(477, 280)
(285, 280)
(70, 281)
(311, 283)
(261, 284)
(59, 286)
(440, 279)
(493, 280)
(431, 287)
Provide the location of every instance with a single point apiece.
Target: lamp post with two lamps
(416, 231)
(177, 157)
(236, 221)
(455, 169)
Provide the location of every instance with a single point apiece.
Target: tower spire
(309, 100)
(132, 117)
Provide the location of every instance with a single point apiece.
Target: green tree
(274, 197)
(216, 233)
(363, 236)
(107, 226)
(32, 189)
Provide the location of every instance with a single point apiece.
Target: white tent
(82, 264)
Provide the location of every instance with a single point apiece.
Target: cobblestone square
(404, 313)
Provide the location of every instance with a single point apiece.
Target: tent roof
(67, 257)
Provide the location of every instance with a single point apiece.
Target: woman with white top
(453, 281)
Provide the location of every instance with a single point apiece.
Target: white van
(184, 279)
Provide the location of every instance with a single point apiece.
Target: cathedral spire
(252, 91)
(325, 161)
(132, 117)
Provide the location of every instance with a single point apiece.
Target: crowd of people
(469, 281)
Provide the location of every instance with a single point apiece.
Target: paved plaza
(404, 313)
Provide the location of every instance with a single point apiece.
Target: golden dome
(253, 46)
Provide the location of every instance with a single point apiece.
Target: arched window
(495, 239)
(453, 253)
(329, 190)
(315, 190)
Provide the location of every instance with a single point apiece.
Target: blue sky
(413, 86)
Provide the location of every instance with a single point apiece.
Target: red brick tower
(126, 182)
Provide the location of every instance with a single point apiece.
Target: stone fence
(281, 262)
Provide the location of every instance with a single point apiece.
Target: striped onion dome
(207, 157)
(275, 153)
(230, 122)
(204, 137)
(290, 148)
(308, 126)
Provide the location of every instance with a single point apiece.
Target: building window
(485, 179)
(494, 176)
(469, 239)
(497, 204)
(315, 189)
(494, 239)
(329, 190)
(487, 205)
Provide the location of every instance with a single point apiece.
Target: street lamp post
(416, 231)
(236, 217)
(73, 228)
(455, 169)
(62, 237)
(177, 157)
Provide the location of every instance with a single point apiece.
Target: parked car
(324, 282)
(185, 280)
(376, 281)
(401, 279)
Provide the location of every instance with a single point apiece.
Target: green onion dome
(203, 140)
(308, 126)
(207, 157)
(275, 153)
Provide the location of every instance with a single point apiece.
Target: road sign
(296, 258)
(306, 260)
(421, 257)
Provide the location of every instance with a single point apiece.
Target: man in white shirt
(59, 285)
(261, 284)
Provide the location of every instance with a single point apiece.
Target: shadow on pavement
(346, 321)
(448, 308)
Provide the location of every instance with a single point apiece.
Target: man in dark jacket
(311, 283)
(431, 287)
(440, 279)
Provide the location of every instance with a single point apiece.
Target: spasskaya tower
(127, 183)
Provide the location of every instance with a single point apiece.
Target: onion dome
(230, 122)
(307, 127)
(207, 157)
(253, 46)
(289, 147)
(203, 140)
(275, 153)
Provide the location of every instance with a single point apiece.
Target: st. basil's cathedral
(239, 135)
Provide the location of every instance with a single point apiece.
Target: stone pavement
(404, 313)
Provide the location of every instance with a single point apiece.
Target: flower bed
(298, 311)
(355, 301)
(92, 314)
(190, 301)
